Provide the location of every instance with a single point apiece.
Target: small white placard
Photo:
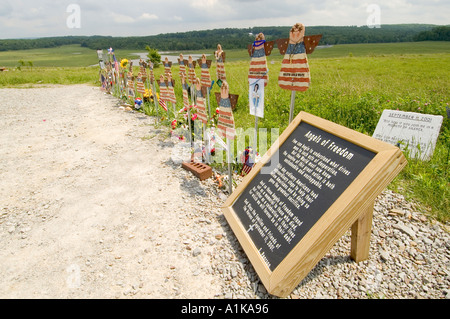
(415, 133)
(256, 97)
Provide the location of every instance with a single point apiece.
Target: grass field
(351, 85)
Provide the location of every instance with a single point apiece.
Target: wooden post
(360, 239)
(291, 111)
(255, 142)
(230, 175)
(155, 100)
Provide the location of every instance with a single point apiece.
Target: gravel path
(91, 206)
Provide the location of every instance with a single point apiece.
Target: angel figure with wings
(191, 72)
(167, 66)
(225, 122)
(182, 63)
(205, 76)
(294, 74)
(185, 88)
(220, 59)
(170, 89)
(201, 109)
(258, 52)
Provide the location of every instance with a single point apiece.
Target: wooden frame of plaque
(333, 208)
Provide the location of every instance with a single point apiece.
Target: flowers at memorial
(186, 108)
(123, 63)
(148, 95)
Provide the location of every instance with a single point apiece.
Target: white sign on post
(414, 132)
(256, 97)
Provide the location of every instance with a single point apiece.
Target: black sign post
(311, 186)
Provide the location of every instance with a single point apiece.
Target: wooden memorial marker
(315, 182)
(225, 122)
(258, 77)
(205, 81)
(205, 77)
(130, 84)
(225, 125)
(201, 108)
(295, 73)
(220, 60)
(233, 99)
(184, 88)
(170, 83)
(182, 64)
(163, 94)
(191, 70)
(258, 52)
(152, 75)
(140, 87)
(167, 66)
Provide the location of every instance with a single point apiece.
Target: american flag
(162, 103)
(248, 163)
(246, 169)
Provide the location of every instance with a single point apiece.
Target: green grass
(49, 75)
(64, 56)
(351, 86)
(380, 49)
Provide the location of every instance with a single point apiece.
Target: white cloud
(121, 18)
(201, 4)
(148, 16)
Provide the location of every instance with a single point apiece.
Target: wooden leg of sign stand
(361, 231)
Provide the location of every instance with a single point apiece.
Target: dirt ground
(89, 206)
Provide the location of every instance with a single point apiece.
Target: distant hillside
(230, 38)
(441, 33)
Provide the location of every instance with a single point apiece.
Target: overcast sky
(43, 18)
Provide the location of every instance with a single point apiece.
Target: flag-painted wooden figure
(185, 88)
(191, 72)
(205, 78)
(162, 89)
(220, 59)
(294, 74)
(225, 122)
(258, 51)
(152, 75)
(182, 64)
(130, 83)
(140, 87)
(167, 66)
(170, 89)
(201, 108)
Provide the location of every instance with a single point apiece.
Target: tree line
(239, 38)
(441, 33)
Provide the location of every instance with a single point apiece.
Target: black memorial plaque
(279, 207)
